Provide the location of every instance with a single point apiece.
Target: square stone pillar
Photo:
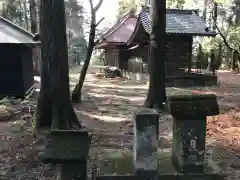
(189, 130)
(146, 130)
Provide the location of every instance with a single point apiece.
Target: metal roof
(179, 22)
(11, 33)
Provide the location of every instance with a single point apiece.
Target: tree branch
(224, 38)
(99, 21)
(98, 5)
(91, 5)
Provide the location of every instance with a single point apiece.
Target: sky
(108, 10)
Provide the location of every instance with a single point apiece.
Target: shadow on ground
(110, 106)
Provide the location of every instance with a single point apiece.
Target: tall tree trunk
(205, 11)
(157, 93)
(54, 105)
(33, 15)
(215, 16)
(26, 15)
(21, 19)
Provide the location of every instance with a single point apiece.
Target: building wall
(27, 66)
(178, 55)
(112, 56)
(16, 72)
(36, 56)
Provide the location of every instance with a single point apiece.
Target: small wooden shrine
(114, 41)
(16, 65)
(122, 42)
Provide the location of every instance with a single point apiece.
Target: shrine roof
(12, 33)
(179, 22)
(120, 32)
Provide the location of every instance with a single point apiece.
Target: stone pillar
(189, 130)
(145, 143)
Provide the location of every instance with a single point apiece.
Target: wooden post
(145, 143)
(189, 130)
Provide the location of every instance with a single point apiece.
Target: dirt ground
(107, 112)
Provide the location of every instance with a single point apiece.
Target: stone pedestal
(189, 130)
(70, 150)
(145, 143)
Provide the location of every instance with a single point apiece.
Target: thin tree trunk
(234, 60)
(33, 15)
(215, 16)
(76, 95)
(157, 93)
(54, 74)
(205, 11)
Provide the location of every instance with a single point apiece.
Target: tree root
(43, 114)
(76, 94)
(74, 122)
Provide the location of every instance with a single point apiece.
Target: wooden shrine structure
(129, 38)
(16, 54)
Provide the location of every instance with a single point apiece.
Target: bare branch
(91, 5)
(98, 5)
(99, 21)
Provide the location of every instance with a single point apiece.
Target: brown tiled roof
(120, 32)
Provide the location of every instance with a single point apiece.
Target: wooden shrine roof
(12, 33)
(120, 33)
(182, 22)
(179, 22)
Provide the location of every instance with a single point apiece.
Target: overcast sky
(107, 10)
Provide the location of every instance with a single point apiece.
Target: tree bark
(43, 114)
(215, 16)
(54, 93)
(234, 62)
(204, 17)
(157, 93)
(33, 15)
(25, 16)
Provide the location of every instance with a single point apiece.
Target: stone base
(185, 80)
(168, 177)
(120, 162)
(193, 79)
